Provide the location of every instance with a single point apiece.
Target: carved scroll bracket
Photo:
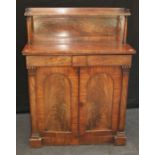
(31, 70)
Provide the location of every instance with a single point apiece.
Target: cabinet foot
(120, 138)
(35, 141)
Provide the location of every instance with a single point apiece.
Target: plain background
(21, 39)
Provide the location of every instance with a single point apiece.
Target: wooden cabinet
(78, 68)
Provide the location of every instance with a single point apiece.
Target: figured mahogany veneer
(78, 65)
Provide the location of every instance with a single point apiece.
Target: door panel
(99, 102)
(57, 99)
(57, 103)
(100, 89)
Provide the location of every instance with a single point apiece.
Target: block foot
(120, 138)
(35, 141)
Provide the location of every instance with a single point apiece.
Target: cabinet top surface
(78, 49)
(76, 11)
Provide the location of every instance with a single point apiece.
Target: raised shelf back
(65, 25)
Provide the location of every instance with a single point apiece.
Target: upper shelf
(74, 31)
(77, 12)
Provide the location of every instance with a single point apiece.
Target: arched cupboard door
(57, 104)
(100, 91)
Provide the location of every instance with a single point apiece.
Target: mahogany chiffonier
(78, 65)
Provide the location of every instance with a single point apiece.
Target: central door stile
(77, 70)
(83, 77)
(78, 117)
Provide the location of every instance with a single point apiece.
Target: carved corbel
(31, 70)
(126, 68)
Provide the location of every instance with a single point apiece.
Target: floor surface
(132, 147)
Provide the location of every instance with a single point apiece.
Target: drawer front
(102, 60)
(109, 60)
(79, 61)
(48, 61)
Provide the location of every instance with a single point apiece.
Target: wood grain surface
(76, 11)
(100, 48)
(100, 89)
(78, 63)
